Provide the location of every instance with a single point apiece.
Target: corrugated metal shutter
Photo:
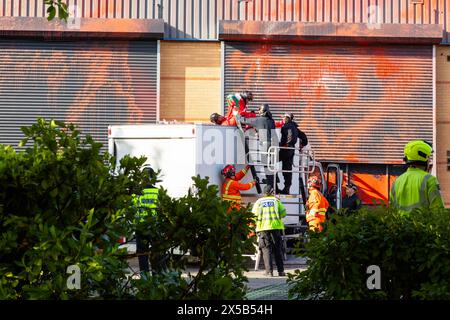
(93, 84)
(198, 19)
(356, 103)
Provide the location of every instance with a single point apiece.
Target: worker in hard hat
(231, 188)
(416, 188)
(237, 106)
(316, 206)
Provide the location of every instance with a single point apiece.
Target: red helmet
(315, 182)
(229, 171)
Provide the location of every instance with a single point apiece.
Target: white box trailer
(182, 151)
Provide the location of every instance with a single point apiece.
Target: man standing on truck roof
(301, 135)
(269, 212)
(237, 105)
(316, 206)
(289, 136)
(264, 126)
(231, 188)
(416, 188)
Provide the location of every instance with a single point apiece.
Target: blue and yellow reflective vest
(415, 189)
(269, 211)
(147, 202)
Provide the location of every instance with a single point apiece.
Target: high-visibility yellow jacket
(415, 189)
(269, 212)
(147, 202)
(231, 188)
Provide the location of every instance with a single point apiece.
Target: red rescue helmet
(229, 171)
(314, 182)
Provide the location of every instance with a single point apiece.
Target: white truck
(182, 151)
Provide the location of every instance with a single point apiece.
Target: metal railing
(272, 160)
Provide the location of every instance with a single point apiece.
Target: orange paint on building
(376, 79)
(371, 188)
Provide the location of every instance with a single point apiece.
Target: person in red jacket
(237, 105)
(231, 188)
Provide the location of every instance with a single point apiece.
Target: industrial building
(362, 77)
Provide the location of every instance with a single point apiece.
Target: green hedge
(413, 254)
(61, 205)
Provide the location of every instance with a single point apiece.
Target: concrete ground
(260, 286)
(257, 279)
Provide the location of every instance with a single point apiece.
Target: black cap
(149, 171)
(268, 189)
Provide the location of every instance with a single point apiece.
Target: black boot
(285, 190)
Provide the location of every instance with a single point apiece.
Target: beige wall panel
(443, 119)
(444, 182)
(190, 80)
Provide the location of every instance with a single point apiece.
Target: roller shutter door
(93, 84)
(357, 104)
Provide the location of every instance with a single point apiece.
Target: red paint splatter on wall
(92, 84)
(356, 103)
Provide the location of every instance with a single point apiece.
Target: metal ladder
(305, 166)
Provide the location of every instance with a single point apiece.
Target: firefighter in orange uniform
(316, 206)
(231, 188)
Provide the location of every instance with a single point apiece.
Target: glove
(247, 167)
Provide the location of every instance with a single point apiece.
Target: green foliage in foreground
(413, 254)
(64, 203)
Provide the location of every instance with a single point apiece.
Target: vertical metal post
(435, 155)
(222, 77)
(158, 81)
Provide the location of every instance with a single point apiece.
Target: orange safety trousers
(317, 206)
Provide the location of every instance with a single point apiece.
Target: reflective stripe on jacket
(269, 212)
(231, 188)
(147, 202)
(416, 189)
(317, 206)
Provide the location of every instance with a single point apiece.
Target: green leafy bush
(64, 203)
(60, 206)
(413, 254)
(200, 225)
